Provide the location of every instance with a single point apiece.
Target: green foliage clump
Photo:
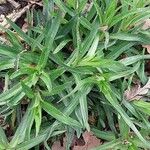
(77, 60)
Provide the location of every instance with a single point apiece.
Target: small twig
(37, 3)
(14, 3)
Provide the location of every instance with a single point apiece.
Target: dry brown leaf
(90, 142)
(146, 24)
(147, 47)
(136, 92)
(25, 27)
(36, 2)
(57, 146)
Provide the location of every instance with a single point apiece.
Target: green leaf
(37, 118)
(50, 32)
(105, 135)
(3, 138)
(99, 12)
(7, 51)
(109, 145)
(63, 7)
(7, 64)
(118, 75)
(71, 3)
(130, 37)
(20, 32)
(133, 59)
(118, 49)
(57, 89)
(25, 125)
(54, 112)
(125, 14)
(86, 44)
(84, 111)
(46, 79)
(61, 45)
(27, 90)
(85, 22)
(123, 127)
(143, 106)
(93, 48)
(112, 65)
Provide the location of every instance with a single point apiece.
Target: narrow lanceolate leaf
(110, 64)
(21, 131)
(125, 14)
(71, 3)
(6, 96)
(37, 118)
(50, 32)
(124, 128)
(99, 11)
(7, 64)
(93, 48)
(57, 114)
(7, 51)
(84, 111)
(3, 138)
(105, 135)
(36, 140)
(63, 7)
(133, 59)
(118, 75)
(143, 106)
(57, 89)
(61, 46)
(119, 48)
(86, 44)
(109, 145)
(27, 90)
(23, 35)
(46, 79)
(31, 143)
(9, 93)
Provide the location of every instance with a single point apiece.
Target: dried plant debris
(89, 141)
(14, 3)
(58, 146)
(13, 17)
(6, 8)
(146, 24)
(137, 92)
(14, 11)
(147, 48)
